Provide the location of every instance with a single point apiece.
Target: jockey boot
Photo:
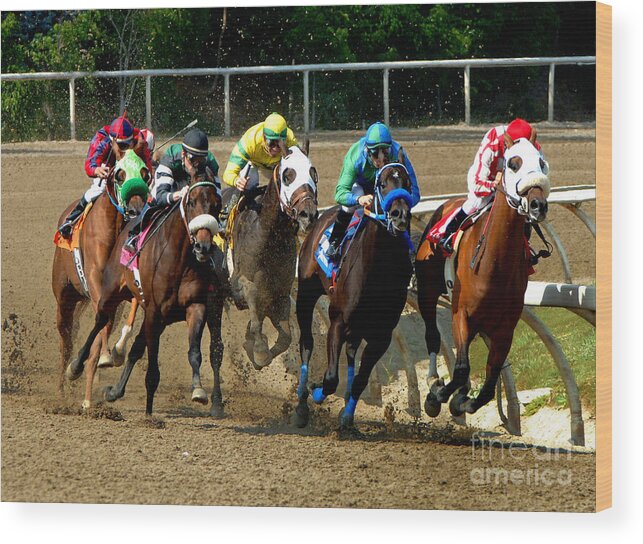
(225, 212)
(66, 228)
(337, 235)
(446, 242)
(135, 230)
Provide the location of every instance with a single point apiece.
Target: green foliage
(184, 38)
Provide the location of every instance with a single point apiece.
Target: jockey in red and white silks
(483, 177)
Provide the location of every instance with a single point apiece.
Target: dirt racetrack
(51, 452)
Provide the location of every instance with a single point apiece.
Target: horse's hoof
(346, 421)
(302, 415)
(217, 410)
(261, 359)
(118, 357)
(431, 405)
(109, 394)
(105, 361)
(199, 395)
(456, 406)
(86, 405)
(248, 347)
(72, 373)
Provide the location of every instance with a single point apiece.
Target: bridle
(289, 205)
(381, 213)
(200, 221)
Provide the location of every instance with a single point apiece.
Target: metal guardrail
(305, 69)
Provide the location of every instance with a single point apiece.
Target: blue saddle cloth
(331, 268)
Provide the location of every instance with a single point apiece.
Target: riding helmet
(196, 143)
(275, 127)
(121, 130)
(148, 136)
(378, 135)
(519, 128)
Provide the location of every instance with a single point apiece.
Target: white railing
(305, 69)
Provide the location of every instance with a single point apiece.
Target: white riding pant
(474, 202)
(358, 191)
(96, 189)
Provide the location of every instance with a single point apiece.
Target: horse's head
(526, 177)
(200, 206)
(298, 187)
(127, 170)
(393, 194)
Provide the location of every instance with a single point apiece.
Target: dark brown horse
(98, 235)
(369, 296)
(490, 279)
(264, 250)
(176, 284)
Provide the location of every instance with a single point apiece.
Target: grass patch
(532, 364)
(536, 405)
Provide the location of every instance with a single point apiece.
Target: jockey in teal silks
(356, 183)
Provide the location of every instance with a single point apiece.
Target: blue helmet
(378, 135)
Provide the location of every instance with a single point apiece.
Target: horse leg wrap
(303, 379)
(318, 395)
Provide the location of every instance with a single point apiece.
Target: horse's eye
(288, 176)
(515, 163)
(191, 203)
(313, 175)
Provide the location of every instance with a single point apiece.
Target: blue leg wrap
(318, 395)
(350, 376)
(303, 379)
(349, 409)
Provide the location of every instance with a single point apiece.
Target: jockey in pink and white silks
(483, 177)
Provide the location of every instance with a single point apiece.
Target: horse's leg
(105, 359)
(90, 371)
(428, 286)
(118, 352)
(352, 345)
(67, 302)
(260, 353)
(498, 352)
(280, 318)
(153, 326)
(111, 393)
(375, 348)
(214, 314)
(76, 367)
(335, 341)
(462, 338)
(308, 294)
(195, 318)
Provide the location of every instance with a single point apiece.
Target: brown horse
(490, 279)
(175, 285)
(72, 283)
(264, 250)
(369, 296)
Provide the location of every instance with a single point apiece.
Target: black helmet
(196, 143)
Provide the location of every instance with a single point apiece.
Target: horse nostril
(395, 213)
(535, 204)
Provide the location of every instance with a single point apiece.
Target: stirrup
(333, 251)
(130, 244)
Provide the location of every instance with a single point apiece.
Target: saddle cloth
(331, 268)
(73, 242)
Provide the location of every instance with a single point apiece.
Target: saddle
(73, 242)
(332, 269)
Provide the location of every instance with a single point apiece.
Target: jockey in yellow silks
(256, 154)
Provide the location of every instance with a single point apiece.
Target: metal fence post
(550, 105)
(226, 107)
(306, 103)
(387, 117)
(467, 95)
(72, 108)
(148, 102)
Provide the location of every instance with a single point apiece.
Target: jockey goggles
(375, 151)
(272, 143)
(123, 144)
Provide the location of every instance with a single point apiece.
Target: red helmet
(148, 136)
(519, 128)
(121, 130)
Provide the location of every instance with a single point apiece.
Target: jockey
(257, 152)
(150, 139)
(485, 174)
(357, 179)
(173, 174)
(107, 146)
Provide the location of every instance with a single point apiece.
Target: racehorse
(369, 295)
(264, 250)
(490, 279)
(98, 235)
(175, 280)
